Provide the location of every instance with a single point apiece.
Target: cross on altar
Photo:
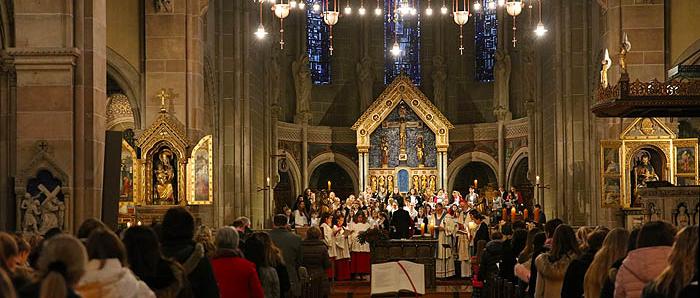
(163, 95)
(402, 124)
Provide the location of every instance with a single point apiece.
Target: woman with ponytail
(60, 267)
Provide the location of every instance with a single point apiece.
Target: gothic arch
(461, 161)
(294, 172)
(129, 79)
(344, 162)
(515, 159)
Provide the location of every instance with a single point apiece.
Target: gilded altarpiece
(199, 173)
(402, 141)
(647, 152)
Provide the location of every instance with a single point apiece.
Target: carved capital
(501, 113)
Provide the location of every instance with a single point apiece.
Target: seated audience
(552, 265)
(645, 263)
(574, 277)
(60, 266)
(680, 269)
(235, 276)
(106, 274)
(165, 277)
(206, 239)
(614, 248)
(178, 243)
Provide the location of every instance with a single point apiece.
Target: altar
(402, 141)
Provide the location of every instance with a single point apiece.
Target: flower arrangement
(372, 235)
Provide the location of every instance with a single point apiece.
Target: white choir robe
(444, 264)
(342, 245)
(329, 239)
(463, 243)
(355, 245)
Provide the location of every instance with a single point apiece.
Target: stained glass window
(407, 28)
(485, 41)
(317, 47)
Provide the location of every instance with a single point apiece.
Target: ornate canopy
(402, 89)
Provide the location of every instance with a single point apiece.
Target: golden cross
(163, 95)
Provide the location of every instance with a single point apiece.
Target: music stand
(445, 246)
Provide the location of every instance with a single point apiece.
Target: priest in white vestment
(444, 227)
(464, 238)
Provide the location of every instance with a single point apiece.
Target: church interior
(236, 111)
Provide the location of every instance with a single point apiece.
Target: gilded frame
(136, 182)
(204, 144)
(682, 144)
(608, 173)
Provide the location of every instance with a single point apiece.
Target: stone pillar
(8, 138)
(501, 115)
(305, 154)
(442, 168)
(531, 151)
(362, 155)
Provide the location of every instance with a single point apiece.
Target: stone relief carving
(439, 77)
(302, 85)
(365, 79)
(30, 211)
(163, 5)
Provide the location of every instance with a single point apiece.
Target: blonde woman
(60, 267)
(681, 264)
(614, 248)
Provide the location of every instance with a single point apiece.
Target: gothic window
(317, 47)
(485, 40)
(405, 30)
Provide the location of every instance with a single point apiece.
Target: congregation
(175, 258)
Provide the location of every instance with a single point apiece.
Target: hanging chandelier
(460, 14)
(330, 17)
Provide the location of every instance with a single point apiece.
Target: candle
(128, 224)
(525, 214)
(422, 229)
(431, 228)
(537, 180)
(472, 225)
(139, 223)
(268, 181)
(512, 214)
(476, 183)
(329, 185)
(537, 215)
(503, 214)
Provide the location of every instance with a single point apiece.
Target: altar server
(360, 264)
(342, 247)
(443, 225)
(329, 240)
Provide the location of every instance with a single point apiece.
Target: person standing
(290, 245)
(443, 224)
(329, 240)
(551, 266)
(342, 246)
(235, 275)
(400, 221)
(359, 256)
(314, 256)
(463, 238)
(679, 271)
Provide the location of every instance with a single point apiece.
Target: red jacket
(236, 277)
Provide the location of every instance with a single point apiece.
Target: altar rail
(421, 251)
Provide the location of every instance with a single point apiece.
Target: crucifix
(402, 124)
(163, 96)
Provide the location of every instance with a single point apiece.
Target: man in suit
(290, 245)
(400, 221)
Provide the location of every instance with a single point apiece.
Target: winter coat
(573, 279)
(108, 279)
(641, 266)
(198, 268)
(236, 276)
(314, 256)
(490, 260)
(550, 275)
(608, 290)
(269, 280)
(169, 280)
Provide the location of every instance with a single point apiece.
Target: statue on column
(501, 91)
(439, 77)
(365, 82)
(385, 152)
(624, 49)
(302, 86)
(420, 154)
(605, 65)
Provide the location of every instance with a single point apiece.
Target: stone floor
(444, 289)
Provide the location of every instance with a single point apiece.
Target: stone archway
(344, 162)
(515, 162)
(341, 181)
(456, 165)
(474, 170)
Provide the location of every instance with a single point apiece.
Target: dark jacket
(198, 268)
(533, 272)
(608, 290)
(491, 260)
(169, 280)
(575, 273)
(482, 233)
(33, 290)
(314, 256)
(508, 261)
(400, 221)
(290, 245)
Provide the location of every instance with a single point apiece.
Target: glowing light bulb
(501, 2)
(477, 5)
(414, 11)
(361, 10)
(429, 11)
(301, 5)
(395, 49)
(347, 9)
(316, 7)
(443, 9)
(260, 33)
(540, 30)
(492, 5)
(378, 11)
(293, 4)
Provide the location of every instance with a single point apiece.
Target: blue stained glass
(485, 42)
(317, 47)
(408, 37)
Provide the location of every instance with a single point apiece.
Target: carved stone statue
(365, 80)
(439, 77)
(605, 65)
(432, 183)
(424, 182)
(501, 91)
(31, 206)
(625, 47)
(416, 182)
(528, 61)
(644, 171)
(302, 86)
(385, 151)
(373, 183)
(390, 182)
(273, 70)
(420, 147)
(52, 209)
(381, 184)
(164, 176)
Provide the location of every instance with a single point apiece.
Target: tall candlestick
(537, 215)
(476, 183)
(525, 213)
(537, 180)
(512, 214)
(329, 185)
(267, 181)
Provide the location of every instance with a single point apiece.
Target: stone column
(501, 115)
(305, 154)
(531, 151)
(361, 170)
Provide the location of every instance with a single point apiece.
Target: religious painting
(128, 179)
(647, 167)
(611, 192)
(402, 139)
(403, 181)
(164, 176)
(685, 160)
(200, 173)
(611, 161)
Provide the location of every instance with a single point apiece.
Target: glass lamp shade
(395, 49)
(330, 17)
(461, 17)
(281, 10)
(514, 8)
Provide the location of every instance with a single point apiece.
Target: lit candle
(138, 223)
(512, 214)
(476, 183)
(268, 181)
(431, 228)
(537, 215)
(422, 229)
(537, 180)
(525, 213)
(329, 185)
(128, 224)
(472, 225)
